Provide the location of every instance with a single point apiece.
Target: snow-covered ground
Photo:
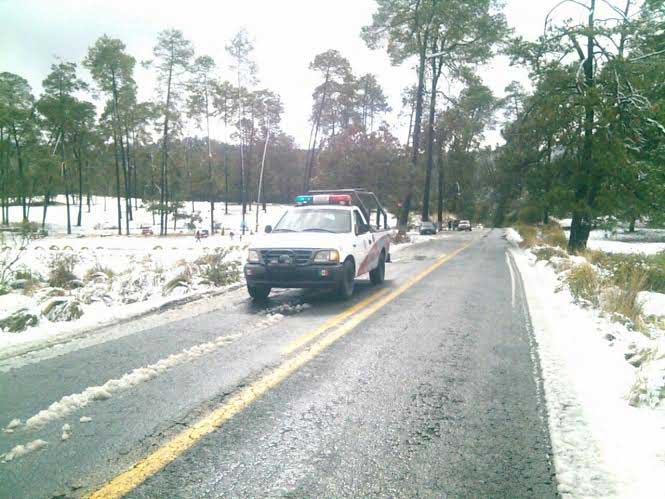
(134, 270)
(646, 241)
(604, 388)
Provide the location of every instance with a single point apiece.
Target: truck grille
(298, 256)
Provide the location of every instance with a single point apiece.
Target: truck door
(363, 244)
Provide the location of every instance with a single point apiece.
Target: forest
(582, 139)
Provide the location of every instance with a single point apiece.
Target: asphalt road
(431, 389)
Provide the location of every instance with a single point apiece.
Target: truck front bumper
(301, 276)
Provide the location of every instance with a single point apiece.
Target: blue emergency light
(304, 199)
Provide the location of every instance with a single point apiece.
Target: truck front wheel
(258, 293)
(346, 285)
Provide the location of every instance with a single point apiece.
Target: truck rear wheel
(379, 273)
(347, 284)
(258, 293)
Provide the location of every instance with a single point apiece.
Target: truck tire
(258, 293)
(347, 284)
(378, 275)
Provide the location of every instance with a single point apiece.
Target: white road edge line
(512, 280)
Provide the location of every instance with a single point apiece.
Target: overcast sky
(286, 34)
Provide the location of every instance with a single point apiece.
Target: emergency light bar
(343, 199)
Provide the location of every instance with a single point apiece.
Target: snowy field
(645, 241)
(119, 276)
(604, 386)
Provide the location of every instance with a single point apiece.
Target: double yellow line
(338, 326)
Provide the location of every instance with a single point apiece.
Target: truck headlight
(253, 256)
(326, 256)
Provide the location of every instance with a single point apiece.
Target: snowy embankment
(103, 278)
(604, 387)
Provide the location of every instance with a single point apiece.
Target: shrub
(625, 302)
(547, 252)
(19, 321)
(584, 283)
(218, 271)
(619, 266)
(530, 214)
(95, 271)
(183, 279)
(62, 309)
(31, 280)
(529, 235)
(61, 269)
(554, 236)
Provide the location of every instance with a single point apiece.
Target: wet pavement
(435, 394)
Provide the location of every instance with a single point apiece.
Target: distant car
(204, 233)
(427, 228)
(464, 225)
(147, 231)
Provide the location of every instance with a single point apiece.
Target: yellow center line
(170, 450)
(333, 321)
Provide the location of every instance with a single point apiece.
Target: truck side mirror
(268, 229)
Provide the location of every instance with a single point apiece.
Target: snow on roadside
(513, 236)
(652, 303)
(602, 445)
(71, 403)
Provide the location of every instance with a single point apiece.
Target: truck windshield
(314, 220)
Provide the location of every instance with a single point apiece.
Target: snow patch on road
(71, 403)
(22, 450)
(602, 446)
(66, 432)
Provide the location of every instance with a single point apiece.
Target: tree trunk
(66, 181)
(585, 191)
(211, 186)
(125, 179)
(47, 196)
(439, 161)
(226, 181)
(406, 204)
(631, 227)
(21, 176)
(163, 219)
(310, 158)
(79, 219)
(115, 147)
(4, 169)
(430, 140)
(128, 187)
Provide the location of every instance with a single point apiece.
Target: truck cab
(325, 241)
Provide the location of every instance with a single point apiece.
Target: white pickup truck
(325, 241)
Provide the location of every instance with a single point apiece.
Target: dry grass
(92, 272)
(538, 235)
(529, 235)
(625, 302)
(584, 283)
(553, 235)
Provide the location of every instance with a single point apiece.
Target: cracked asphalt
(435, 394)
